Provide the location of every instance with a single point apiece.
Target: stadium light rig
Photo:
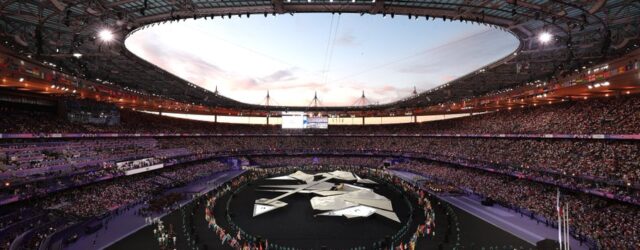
(545, 37)
(106, 35)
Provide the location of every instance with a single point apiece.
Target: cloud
(183, 64)
(278, 76)
(243, 84)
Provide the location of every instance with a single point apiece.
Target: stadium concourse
(539, 149)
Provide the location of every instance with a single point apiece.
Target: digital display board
(299, 120)
(318, 122)
(294, 120)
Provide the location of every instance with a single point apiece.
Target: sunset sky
(339, 56)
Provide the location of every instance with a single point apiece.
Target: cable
(333, 45)
(326, 51)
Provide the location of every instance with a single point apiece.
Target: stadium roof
(583, 33)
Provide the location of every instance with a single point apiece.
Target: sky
(337, 56)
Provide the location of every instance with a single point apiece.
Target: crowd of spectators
(19, 120)
(615, 161)
(282, 161)
(100, 198)
(62, 209)
(613, 225)
(16, 220)
(18, 156)
(614, 115)
(609, 166)
(36, 167)
(588, 211)
(596, 116)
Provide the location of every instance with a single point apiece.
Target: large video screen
(294, 120)
(299, 120)
(318, 122)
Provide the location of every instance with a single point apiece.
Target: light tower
(315, 102)
(267, 101)
(362, 101)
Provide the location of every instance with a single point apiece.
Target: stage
(296, 226)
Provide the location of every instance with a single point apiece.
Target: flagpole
(566, 228)
(564, 225)
(559, 211)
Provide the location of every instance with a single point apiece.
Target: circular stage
(298, 225)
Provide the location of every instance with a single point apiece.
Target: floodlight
(106, 35)
(545, 37)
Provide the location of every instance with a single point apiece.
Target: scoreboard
(294, 120)
(318, 122)
(300, 120)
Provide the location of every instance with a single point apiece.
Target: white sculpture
(338, 200)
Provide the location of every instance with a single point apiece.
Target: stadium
(319, 124)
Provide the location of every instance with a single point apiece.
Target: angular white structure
(337, 199)
(264, 205)
(299, 175)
